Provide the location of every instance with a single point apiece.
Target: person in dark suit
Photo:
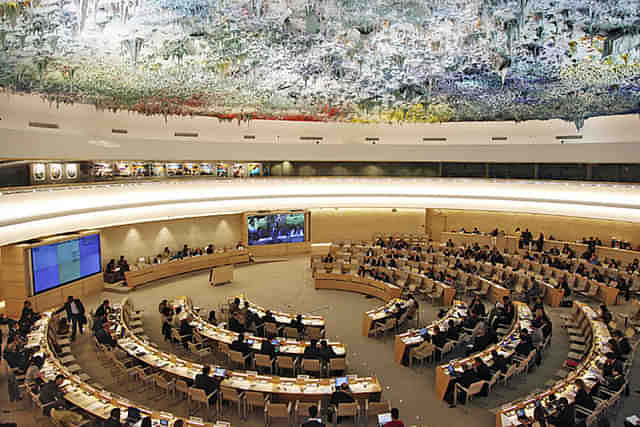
(240, 345)
(438, 339)
(566, 415)
(482, 370)
(75, 313)
(268, 348)
(312, 351)
(235, 322)
(297, 323)
(326, 352)
(477, 306)
(104, 309)
(268, 317)
(114, 419)
(470, 321)
(526, 343)
(583, 398)
(209, 384)
(341, 395)
(51, 393)
(499, 362)
(104, 337)
(186, 332)
(467, 378)
(480, 342)
(453, 332)
(313, 420)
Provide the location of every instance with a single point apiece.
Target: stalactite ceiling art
(359, 61)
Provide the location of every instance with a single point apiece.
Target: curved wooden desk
(172, 268)
(506, 345)
(352, 283)
(414, 338)
(287, 347)
(281, 317)
(90, 399)
(280, 388)
(507, 416)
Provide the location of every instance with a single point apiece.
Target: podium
(221, 275)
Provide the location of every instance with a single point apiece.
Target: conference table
(281, 317)
(286, 346)
(353, 283)
(588, 371)
(380, 314)
(88, 398)
(152, 272)
(281, 389)
(415, 337)
(506, 347)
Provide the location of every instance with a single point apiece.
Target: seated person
(234, 306)
(268, 317)
(499, 362)
(566, 414)
(114, 419)
(313, 420)
(583, 397)
(526, 343)
(326, 352)
(51, 393)
(239, 344)
(297, 323)
(268, 348)
(103, 309)
(465, 379)
(104, 336)
(186, 332)
(482, 370)
(235, 322)
(209, 384)
(438, 339)
(341, 395)
(312, 351)
(395, 419)
(33, 375)
(453, 331)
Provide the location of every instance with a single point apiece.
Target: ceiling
(356, 61)
(31, 214)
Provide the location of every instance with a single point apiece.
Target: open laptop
(341, 380)
(133, 415)
(384, 418)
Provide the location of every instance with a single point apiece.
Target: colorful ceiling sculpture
(345, 60)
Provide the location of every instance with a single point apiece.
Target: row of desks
(510, 244)
(280, 388)
(415, 337)
(288, 347)
(506, 346)
(90, 399)
(588, 371)
(172, 268)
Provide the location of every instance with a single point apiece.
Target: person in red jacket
(395, 419)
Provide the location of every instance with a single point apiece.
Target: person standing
(75, 313)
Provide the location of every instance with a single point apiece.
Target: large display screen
(276, 228)
(60, 263)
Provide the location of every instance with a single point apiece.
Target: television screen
(276, 228)
(60, 263)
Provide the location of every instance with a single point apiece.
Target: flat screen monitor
(220, 372)
(60, 263)
(384, 418)
(423, 331)
(341, 380)
(275, 228)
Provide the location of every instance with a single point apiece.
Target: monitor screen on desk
(384, 418)
(275, 228)
(341, 380)
(423, 331)
(60, 263)
(220, 372)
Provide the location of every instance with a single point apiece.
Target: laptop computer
(384, 418)
(341, 380)
(133, 415)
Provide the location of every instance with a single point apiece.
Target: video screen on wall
(276, 228)
(65, 262)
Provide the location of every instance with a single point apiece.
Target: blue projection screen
(276, 228)
(65, 262)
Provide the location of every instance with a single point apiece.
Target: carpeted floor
(288, 286)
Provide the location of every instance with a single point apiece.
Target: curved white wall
(32, 214)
